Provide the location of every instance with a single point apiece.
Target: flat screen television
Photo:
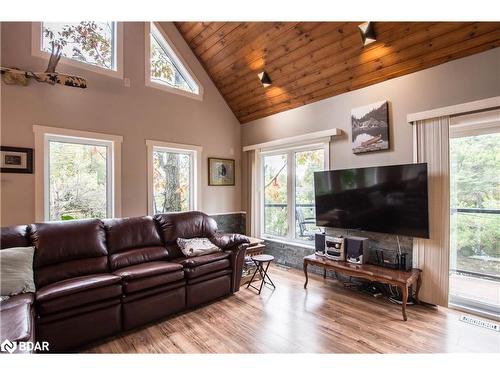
(390, 199)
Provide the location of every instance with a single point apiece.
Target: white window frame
(180, 63)
(290, 152)
(195, 184)
(36, 50)
(44, 134)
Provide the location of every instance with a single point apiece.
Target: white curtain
(252, 191)
(431, 145)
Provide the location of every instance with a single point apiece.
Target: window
(78, 178)
(474, 282)
(90, 44)
(173, 175)
(288, 210)
(164, 67)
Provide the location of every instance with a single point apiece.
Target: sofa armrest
(235, 245)
(229, 241)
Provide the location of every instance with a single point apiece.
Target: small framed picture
(16, 159)
(220, 172)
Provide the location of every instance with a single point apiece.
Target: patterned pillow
(194, 247)
(16, 271)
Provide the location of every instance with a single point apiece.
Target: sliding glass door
(475, 219)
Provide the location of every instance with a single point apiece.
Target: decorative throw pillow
(194, 247)
(16, 271)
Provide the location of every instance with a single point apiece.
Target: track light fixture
(264, 79)
(367, 33)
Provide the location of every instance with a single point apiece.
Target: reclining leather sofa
(96, 278)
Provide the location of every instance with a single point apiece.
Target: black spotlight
(367, 33)
(264, 79)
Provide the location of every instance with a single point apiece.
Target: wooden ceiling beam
(374, 64)
(193, 29)
(346, 61)
(310, 61)
(325, 58)
(206, 38)
(469, 47)
(217, 37)
(235, 41)
(322, 35)
(255, 49)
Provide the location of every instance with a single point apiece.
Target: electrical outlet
(126, 82)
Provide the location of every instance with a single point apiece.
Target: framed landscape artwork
(16, 159)
(220, 172)
(370, 128)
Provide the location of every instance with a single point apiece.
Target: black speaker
(356, 249)
(319, 242)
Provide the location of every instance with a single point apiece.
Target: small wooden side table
(402, 279)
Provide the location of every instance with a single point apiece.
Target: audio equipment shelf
(401, 279)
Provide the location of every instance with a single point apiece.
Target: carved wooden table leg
(305, 273)
(404, 291)
(419, 284)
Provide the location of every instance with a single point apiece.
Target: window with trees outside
(88, 42)
(79, 178)
(288, 210)
(173, 175)
(166, 69)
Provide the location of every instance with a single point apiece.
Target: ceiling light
(264, 79)
(367, 33)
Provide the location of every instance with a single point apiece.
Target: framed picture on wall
(370, 128)
(16, 159)
(220, 172)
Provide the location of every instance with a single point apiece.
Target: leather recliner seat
(152, 286)
(77, 298)
(96, 278)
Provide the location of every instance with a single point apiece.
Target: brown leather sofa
(97, 278)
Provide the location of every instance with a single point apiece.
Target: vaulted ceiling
(310, 61)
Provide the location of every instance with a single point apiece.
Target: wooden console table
(402, 279)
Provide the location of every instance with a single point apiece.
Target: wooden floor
(325, 318)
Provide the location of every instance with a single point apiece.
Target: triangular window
(166, 68)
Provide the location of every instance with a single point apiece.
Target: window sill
(65, 61)
(289, 242)
(173, 90)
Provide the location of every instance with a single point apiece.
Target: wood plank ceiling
(310, 61)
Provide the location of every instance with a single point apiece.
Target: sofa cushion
(71, 303)
(68, 249)
(130, 233)
(147, 269)
(206, 268)
(136, 256)
(75, 285)
(16, 323)
(135, 285)
(203, 259)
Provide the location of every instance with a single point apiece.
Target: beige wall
(107, 106)
(468, 79)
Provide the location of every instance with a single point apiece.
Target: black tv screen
(391, 199)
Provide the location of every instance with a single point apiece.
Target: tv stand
(401, 279)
